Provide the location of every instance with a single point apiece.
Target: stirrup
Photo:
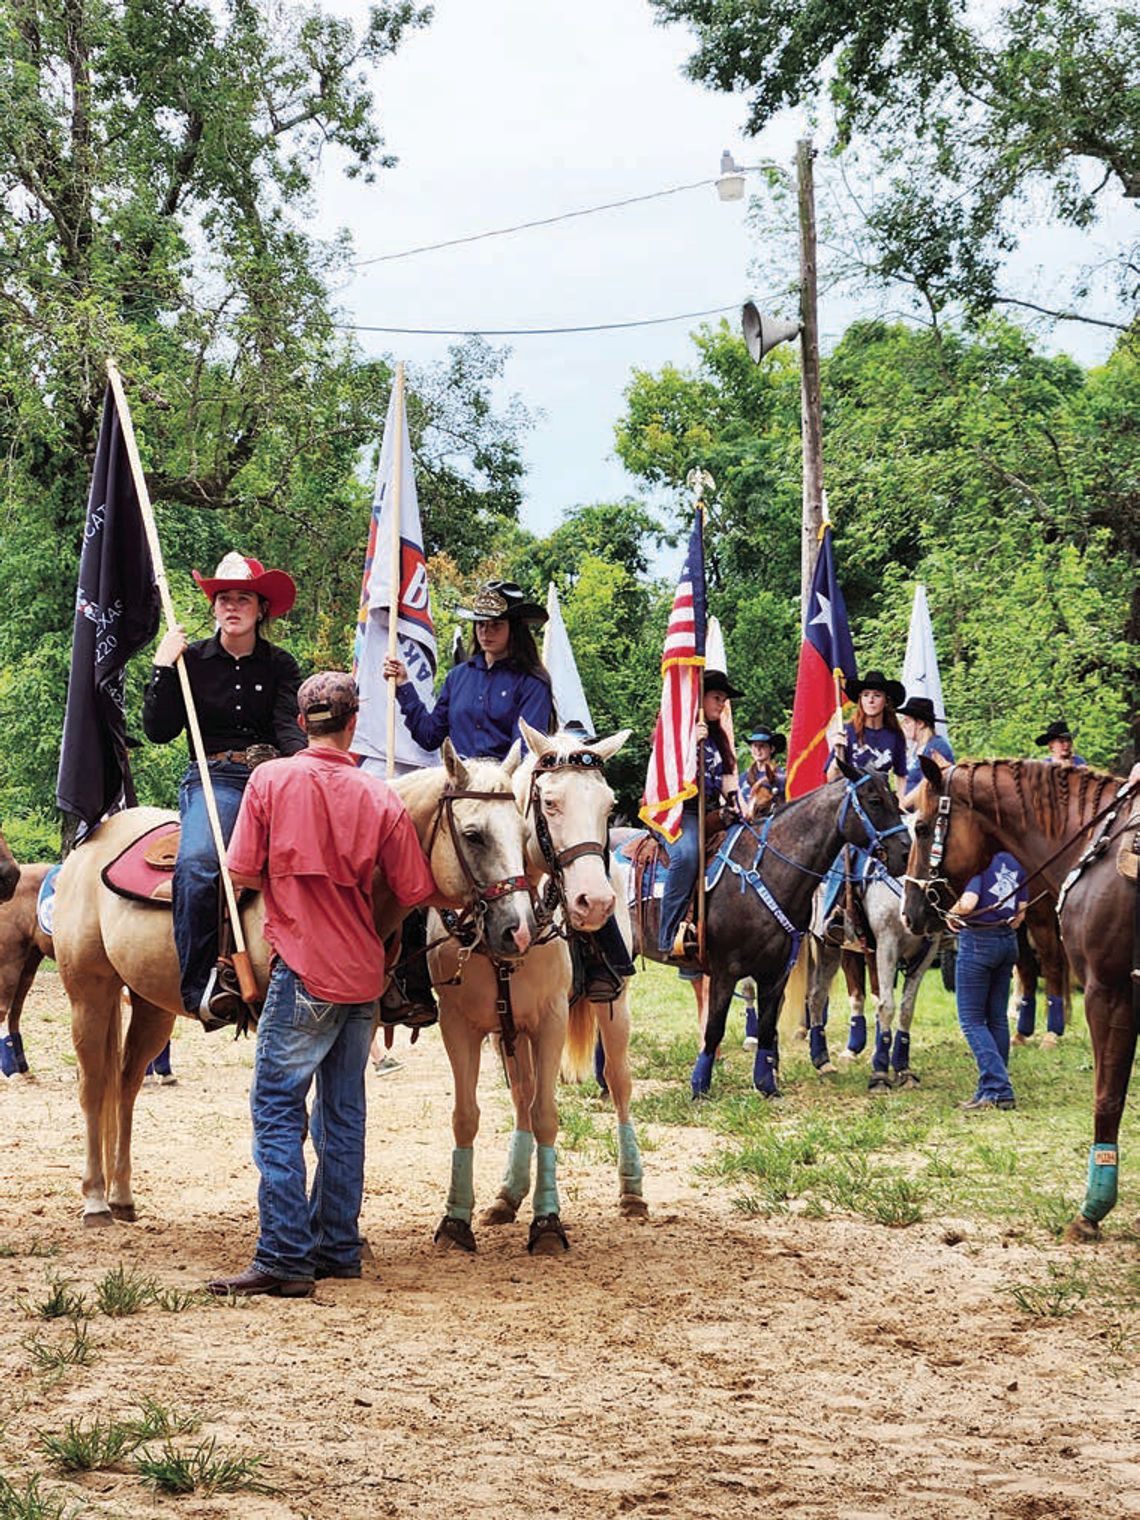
(686, 945)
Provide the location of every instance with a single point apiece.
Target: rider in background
(762, 784)
(1060, 744)
(245, 695)
(917, 717)
(986, 916)
(873, 738)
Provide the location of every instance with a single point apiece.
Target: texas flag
(825, 654)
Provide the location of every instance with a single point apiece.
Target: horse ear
(514, 758)
(538, 744)
(852, 772)
(456, 770)
(607, 748)
(932, 772)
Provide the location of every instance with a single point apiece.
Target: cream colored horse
(103, 943)
(575, 801)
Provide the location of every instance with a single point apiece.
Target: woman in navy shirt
(918, 719)
(987, 915)
(873, 737)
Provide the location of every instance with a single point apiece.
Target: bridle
(471, 916)
(875, 846)
(557, 860)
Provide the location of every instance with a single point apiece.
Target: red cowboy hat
(238, 573)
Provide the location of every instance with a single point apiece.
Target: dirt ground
(700, 1363)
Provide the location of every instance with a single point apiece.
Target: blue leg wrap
(1026, 1016)
(9, 1061)
(764, 1072)
(857, 1034)
(18, 1047)
(161, 1062)
(629, 1160)
(545, 1186)
(600, 1065)
(881, 1060)
(516, 1178)
(900, 1056)
(1100, 1195)
(817, 1043)
(751, 1023)
(461, 1195)
(1055, 1015)
(701, 1079)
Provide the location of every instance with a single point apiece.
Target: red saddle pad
(143, 871)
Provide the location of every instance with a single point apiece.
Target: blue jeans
(195, 887)
(679, 880)
(300, 1037)
(986, 959)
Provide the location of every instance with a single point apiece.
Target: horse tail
(112, 1085)
(581, 1033)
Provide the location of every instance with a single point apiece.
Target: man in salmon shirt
(310, 834)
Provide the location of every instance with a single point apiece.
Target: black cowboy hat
(716, 680)
(762, 734)
(875, 680)
(502, 599)
(1058, 730)
(576, 727)
(921, 709)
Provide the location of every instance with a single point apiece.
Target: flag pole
(394, 549)
(698, 480)
(836, 675)
(246, 980)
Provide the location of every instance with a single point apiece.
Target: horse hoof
(772, 1095)
(547, 1237)
(1049, 1041)
(879, 1082)
(801, 1034)
(905, 1079)
(125, 1212)
(502, 1211)
(100, 1219)
(633, 1206)
(455, 1235)
(849, 1055)
(828, 1068)
(1080, 1231)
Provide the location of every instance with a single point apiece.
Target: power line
(536, 332)
(544, 221)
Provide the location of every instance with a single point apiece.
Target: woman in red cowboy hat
(873, 737)
(245, 695)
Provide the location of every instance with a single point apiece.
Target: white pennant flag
(558, 657)
(920, 667)
(716, 658)
(415, 631)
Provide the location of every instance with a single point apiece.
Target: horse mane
(1054, 799)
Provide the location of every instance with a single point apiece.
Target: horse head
(9, 871)
(942, 859)
(869, 817)
(477, 851)
(563, 791)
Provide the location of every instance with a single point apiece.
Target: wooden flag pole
(394, 549)
(698, 480)
(246, 980)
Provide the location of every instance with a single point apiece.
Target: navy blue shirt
(880, 749)
(1000, 890)
(936, 745)
(478, 707)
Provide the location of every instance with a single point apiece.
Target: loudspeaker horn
(762, 333)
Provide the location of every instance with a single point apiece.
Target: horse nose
(520, 934)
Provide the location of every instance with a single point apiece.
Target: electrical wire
(536, 332)
(543, 221)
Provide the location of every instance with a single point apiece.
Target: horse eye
(475, 836)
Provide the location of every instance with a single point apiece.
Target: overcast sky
(503, 111)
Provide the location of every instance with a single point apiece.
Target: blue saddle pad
(653, 880)
(45, 901)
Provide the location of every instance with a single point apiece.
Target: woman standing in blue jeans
(987, 915)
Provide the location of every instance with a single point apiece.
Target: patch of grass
(1061, 1293)
(75, 1351)
(1053, 1213)
(62, 1302)
(577, 1130)
(37, 1248)
(202, 1470)
(29, 1503)
(93, 1447)
(157, 1423)
(175, 1300)
(122, 1291)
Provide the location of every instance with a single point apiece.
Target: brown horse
(23, 945)
(1045, 815)
(9, 871)
(1041, 955)
(103, 942)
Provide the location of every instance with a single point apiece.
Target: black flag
(116, 614)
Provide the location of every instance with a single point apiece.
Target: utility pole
(811, 415)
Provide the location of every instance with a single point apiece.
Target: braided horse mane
(1056, 800)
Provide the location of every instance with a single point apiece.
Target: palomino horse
(23, 945)
(895, 946)
(104, 942)
(562, 791)
(9, 871)
(760, 908)
(1044, 814)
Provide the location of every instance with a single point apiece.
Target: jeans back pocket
(309, 1012)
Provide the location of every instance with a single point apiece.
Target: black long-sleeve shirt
(239, 701)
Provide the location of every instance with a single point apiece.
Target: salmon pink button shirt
(314, 829)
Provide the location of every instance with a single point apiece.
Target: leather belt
(236, 756)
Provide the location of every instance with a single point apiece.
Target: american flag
(672, 773)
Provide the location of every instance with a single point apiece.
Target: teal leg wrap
(1100, 1196)
(629, 1160)
(545, 1187)
(516, 1178)
(461, 1197)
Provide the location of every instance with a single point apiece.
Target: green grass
(75, 1350)
(28, 1503)
(99, 1445)
(62, 1302)
(202, 1470)
(122, 1291)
